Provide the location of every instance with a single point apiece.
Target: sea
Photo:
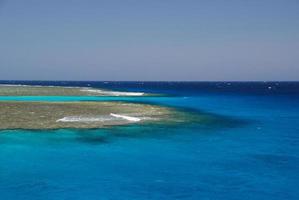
(255, 157)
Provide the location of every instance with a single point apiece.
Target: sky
(149, 40)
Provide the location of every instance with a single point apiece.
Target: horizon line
(203, 81)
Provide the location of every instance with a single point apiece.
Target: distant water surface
(256, 159)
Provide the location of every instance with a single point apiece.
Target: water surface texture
(253, 154)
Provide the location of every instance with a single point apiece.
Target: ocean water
(253, 156)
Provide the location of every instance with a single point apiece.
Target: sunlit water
(255, 159)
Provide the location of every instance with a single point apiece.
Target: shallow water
(257, 157)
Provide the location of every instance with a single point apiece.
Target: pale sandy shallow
(55, 115)
(26, 90)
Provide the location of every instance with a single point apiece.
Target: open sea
(256, 157)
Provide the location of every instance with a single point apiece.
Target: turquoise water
(257, 159)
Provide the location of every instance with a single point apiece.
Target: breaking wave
(113, 93)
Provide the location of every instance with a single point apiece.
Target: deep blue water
(257, 159)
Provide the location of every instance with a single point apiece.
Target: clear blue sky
(202, 40)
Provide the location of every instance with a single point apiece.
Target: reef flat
(26, 90)
(91, 114)
(56, 115)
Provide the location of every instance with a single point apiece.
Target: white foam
(113, 93)
(83, 119)
(103, 118)
(132, 119)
